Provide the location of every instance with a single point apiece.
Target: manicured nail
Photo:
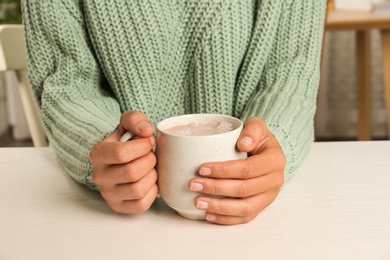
(204, 171)
(211, 217)
(202, 204)
(196, 186)
(247, 141)
(144, 125)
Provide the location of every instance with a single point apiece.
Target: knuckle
(281, 159)
(215, 188)
(256, 119)
(102, 189)
(132, 172)
(243, 190)
(136, 114)
(278, 158)
(116, 206)
(120, 155)
(152, 159)
(128, 114)
(247, 219)
(259, 121)
(106, 194)
(132, 116)
(247, 211)
(218, 207)
(223, 169)
(95, 177)
(98, 177)
(155, 175)
(93, 155)
(279, 181)
(247, 170)
(141, 206)
(138, 191)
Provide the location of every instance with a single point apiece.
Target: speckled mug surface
(179, 158)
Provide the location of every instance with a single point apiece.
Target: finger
(229, 211)
(120, 153)
(254, 166)
(135, 190)
(114, 195)
(255, 131)
(129, 172)
(136, 123)
(237, 188)
(136, 206)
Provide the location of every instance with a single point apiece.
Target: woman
(101, 68)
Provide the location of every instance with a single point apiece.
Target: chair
(363, 23)
(12, 57)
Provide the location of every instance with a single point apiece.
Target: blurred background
(336, 118)
(13, 126)
(337, 107)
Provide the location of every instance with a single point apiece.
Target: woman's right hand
(125, 172)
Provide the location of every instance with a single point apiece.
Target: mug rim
(170, 121)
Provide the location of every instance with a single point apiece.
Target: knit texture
(91, 60)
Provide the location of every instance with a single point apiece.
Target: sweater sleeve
(77, 107)
(285, 96)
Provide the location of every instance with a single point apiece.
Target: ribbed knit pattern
(91, 60)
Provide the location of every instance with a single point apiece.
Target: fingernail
(204, 171)
(247, 141)
(196, 186)
(211, 217)
(144, 125)
(202, 204)
(152, 140)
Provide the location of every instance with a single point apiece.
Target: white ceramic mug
(179, 158)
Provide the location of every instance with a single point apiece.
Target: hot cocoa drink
(201, 128)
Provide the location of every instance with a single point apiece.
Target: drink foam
(201, 128)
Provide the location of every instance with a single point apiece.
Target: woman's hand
(249, 185)
(124, 172)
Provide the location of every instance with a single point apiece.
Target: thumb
(254, 136)
(133, 122)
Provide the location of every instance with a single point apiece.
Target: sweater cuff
(294, 154)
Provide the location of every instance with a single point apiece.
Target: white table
(336, 207)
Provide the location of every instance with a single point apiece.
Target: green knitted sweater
(91, 60)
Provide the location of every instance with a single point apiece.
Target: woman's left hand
(248, 186)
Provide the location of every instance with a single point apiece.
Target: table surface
(336, 207)
(354, 20)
